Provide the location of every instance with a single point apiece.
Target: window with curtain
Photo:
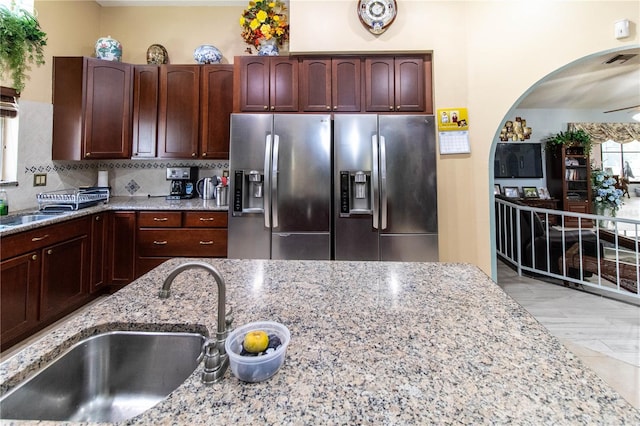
(619, 146)
(18, 4)
(8, 135)
(622, 159)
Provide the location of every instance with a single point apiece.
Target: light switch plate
(622, 29)
(40, 179)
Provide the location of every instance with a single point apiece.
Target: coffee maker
(183, 182)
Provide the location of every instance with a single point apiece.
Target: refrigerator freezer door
(410, 187)
(355, 144)
(248, 238)
(301, 192)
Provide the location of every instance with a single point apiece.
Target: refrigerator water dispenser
(355, 192)
(248, 196)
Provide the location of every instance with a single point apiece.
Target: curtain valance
(602, 132)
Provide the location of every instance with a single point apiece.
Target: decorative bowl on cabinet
(207, 54)
(108, 49)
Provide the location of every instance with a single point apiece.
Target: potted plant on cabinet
(578, 138)
(21, 44)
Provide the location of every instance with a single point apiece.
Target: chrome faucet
(216, 360)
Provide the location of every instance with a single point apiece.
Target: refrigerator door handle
(267, 181)
(383, 183)
(274, 179)
(374, 179)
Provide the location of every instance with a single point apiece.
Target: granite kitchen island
(371, 343)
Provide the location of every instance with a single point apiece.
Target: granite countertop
(371, 343)
(118, 203)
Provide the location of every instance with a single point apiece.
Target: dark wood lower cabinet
(50, 271)
(65, 269)
(162, 235)
(122, 248)
(44, 275)
(19, 294)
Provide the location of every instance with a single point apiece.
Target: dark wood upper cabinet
(178, 111)
(397, 84)
(266, 84)
(146, 81)
(92, 101)
(216, 105)
(330, 84)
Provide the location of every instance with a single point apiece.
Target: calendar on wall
(453, 130)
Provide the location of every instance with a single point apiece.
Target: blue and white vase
(207, 54)
(108, 49)
(268, 47)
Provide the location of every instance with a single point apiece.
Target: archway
(561, 97)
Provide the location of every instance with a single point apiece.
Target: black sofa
(534, 237)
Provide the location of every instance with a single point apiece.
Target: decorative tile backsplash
(126, 177)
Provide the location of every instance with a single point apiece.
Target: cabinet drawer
(159, 219)
(23, 242)
(205, 219)
(182, 242)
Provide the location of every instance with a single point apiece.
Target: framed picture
(530, 192)
(544, 193)
(511, 192)
(496, 189)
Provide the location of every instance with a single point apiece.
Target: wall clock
(377, 15)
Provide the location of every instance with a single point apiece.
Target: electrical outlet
(40, 179)
(225, 173)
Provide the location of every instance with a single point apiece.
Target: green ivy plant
(21, 44)
(570, 138)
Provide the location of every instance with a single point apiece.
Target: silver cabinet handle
(207, 219)
(274, 179)
(34, 239)
(267, 181)
(206, 243)
(160, 243)
(160, 219)
(374, 179)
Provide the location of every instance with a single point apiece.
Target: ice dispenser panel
(355, 193)
(248, 194)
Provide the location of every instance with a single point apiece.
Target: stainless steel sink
(25, 218)
(109, 377)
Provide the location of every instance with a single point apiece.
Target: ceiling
(603, 82)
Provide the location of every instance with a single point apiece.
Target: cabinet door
(107, 126)
(345, 84)
(283, 84)
(409, 84)
(379, 80)
(99, 250)
(65, 272)
(178, 114)
(19, 286)
(315, 84)
(253, 81)
(122, 248)
(216, 106)
(145, 110)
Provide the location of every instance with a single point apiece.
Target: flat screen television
(518, 160)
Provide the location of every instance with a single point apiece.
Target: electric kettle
(206, 188)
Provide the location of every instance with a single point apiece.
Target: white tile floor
(604, 333)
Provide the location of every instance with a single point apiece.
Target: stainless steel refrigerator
(385, 202)
(280, 190)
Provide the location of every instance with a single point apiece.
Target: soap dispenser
(4, 203)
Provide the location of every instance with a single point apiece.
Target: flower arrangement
(606, 195)
(264, 20)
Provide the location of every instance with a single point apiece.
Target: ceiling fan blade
(622, 109)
